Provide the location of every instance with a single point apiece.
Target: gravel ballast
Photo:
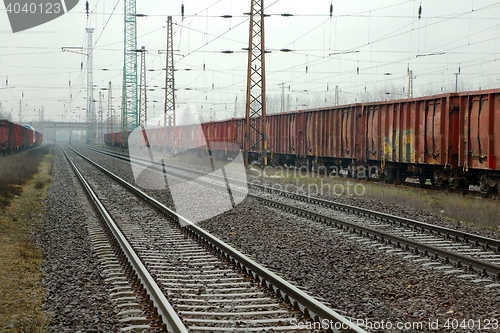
(356, 279)
(77, 295)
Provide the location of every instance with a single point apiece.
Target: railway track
(452, 251)
(196, 282)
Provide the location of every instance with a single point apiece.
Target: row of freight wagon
(451, 139)
(14, 137)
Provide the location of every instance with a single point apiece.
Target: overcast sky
(382, 38)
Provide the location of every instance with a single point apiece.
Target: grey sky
(383, 37)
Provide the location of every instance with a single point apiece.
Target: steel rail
(477, 240)
(170, 318)
(408, 244)
(310, 306)
(459, 260)
(486, 242)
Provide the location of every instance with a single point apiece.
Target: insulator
(87, 7)
(227, 51)
(286, 15)
(227, 16)
(357, 70)
(307, 68)
(182, 11)
(81, 65)
(419, 12)
(331, 10)
(203, 66)
(286, 50)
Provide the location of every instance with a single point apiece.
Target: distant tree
(4, 114)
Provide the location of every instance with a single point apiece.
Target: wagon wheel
(384, 178)
(463, 188)
(445, 185)
(422, 180)
(433, 183)
(399, 179)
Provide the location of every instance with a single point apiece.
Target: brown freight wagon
(478, 150)
(450, 139)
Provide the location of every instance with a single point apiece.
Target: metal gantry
(410, 84)
(143, 108)
(255, 111)
(90, 89)
(169, 112)
(129, 95)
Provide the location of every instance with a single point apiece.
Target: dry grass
(16, 170)
(481, 212)
(21, 290)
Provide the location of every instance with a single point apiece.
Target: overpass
(60, 125)
(54, 131)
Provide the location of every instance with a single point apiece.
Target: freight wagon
(451, 139)
(14, 137)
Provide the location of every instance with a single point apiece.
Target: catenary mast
(129, 94)
(255, 111)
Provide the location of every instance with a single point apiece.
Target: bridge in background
(54, 131)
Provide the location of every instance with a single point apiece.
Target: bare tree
(4, 114)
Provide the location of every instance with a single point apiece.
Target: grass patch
(21, 290)
(16, 170)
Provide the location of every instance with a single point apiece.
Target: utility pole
(235, 114)
(129, 94)
(70, 94)
(169, 110)
(282, 96)
(456, 78)
(109, 128)
(99, 132)
(143, 108)
(20, 111)
(90, 89)
(256, 86)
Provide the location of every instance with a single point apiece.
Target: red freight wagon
(108, 138)
(28, 136)
(479, 139)
(279, 135)
(38, 138)
(449, 138)
(14, 136)
(5, 138)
